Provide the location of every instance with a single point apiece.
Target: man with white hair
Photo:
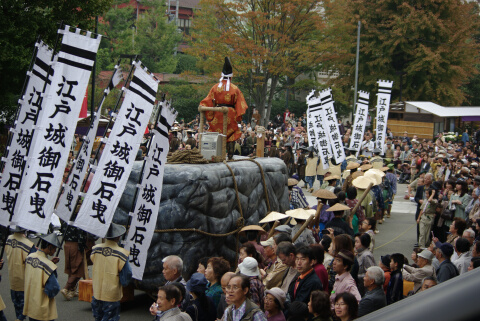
(469, 234)
(374, 298)
(172, 269)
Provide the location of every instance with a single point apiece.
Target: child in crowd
(395, 286)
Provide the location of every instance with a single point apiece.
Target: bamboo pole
(316, 220)
(272, 230)
(304, 226)
(361, 199)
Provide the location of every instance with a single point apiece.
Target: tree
(149, 35)
(426, 47)
(21, 22)
(266, 40)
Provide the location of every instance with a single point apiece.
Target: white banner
(119, 154)
(30, 114)
(310, 121)
(321, 137)
(330, 123)
(68, 199)
(51, 143)
(383, 105)
(360, 120)
(144, 217)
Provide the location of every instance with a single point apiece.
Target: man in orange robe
(226, 94)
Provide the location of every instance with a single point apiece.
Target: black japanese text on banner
(383, 105)
(48, 158)
(72, 188)
(30, 113)
(331, 125)
(321, 137)
(119, 154)
(360, 120)
(310, 121)
(144, 217)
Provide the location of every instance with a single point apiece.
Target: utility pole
(356, 68)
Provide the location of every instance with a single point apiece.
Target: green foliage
(151, 36)
(185, 97)
(186, 63)
(20, 24)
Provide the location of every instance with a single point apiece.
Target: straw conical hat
(51, 239)
(272, 217)
(325, 194)
(253, 228)
(353, 165)
(376, 170)
(331, 177)
(338, 207)
(357, 174)
(365, 167)
(299, 213)
(384, 169)
(362, 182)
(292, 182)
(115, 230)
(373, 176)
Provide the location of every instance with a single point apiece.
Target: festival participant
(226, 94)
(241, 308)
(427, 216)
(75, 244)
(307, 281)
(274, 304)
(202, 307)
(18, 247)
(346, 306)
(216, 268)
(319, 306)
(249, 268)
(344, 282)
(2, 304)
(311, 169)
(337, 224)
(286, 252)
(41, 285)
(446, 270)
(166, 308)
(374, 298)
(275, 269)
(424, 269)
(367, 146)
(111, 271)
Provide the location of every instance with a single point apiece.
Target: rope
(192, 156)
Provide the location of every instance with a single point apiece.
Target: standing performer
(18, 247)
(111, 271)
(41, 284)
(75, 245)
(226, 94)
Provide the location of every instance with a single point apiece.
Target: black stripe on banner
(316, 105)
(75, 64)
(164, 122)
(138, 92)
(162, 132)
(43, 66)
(137, 81)
(82, 53)
(42, 77)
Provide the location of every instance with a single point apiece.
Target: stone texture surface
(203, 197)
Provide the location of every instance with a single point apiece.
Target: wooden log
(304, 226)
(261, 141)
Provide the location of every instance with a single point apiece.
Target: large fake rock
(202, 196)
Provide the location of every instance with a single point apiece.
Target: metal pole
(93, 78)
(356, 68)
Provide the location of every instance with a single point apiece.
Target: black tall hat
(227, 68)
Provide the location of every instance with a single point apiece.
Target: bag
(448, 213)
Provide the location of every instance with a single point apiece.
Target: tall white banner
(71, 191)
(321, 137)
(383, 106)
(330, 123)
(144, 217)
(51, 143)
(29, 115)
(360, 121)
(310, 120)
(119, 154)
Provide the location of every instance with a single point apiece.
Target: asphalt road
(397, 234)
